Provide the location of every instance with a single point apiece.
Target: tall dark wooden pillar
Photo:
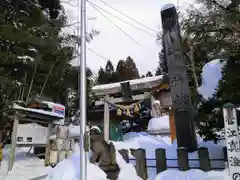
(180, 92)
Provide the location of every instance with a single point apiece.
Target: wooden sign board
(232, 141)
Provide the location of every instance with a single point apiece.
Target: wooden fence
(161, 160)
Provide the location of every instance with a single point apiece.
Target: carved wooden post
(141, 163)
(124, 153)
(180, 93)
(48, 148)
(232, 140)
(183, 162)
(161, 161)
(204, 160)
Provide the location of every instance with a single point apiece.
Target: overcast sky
(112, 43)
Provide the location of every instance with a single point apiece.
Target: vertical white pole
(83, 83)
(232, 140)
(106, 119)
(14, 141)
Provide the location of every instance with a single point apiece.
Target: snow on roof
(167, 6)
(40, 111)
(51, 104)
(25, 58)
(134, 82)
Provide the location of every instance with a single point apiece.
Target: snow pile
(159, 125)
(192, 174)
(70, 169)
(211, 74)
(131, 135)
(25, 167)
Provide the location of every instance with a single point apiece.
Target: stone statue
(104, 154)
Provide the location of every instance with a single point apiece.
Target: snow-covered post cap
(167, 6)
(229, 105)
(97, 129)
(232, 140)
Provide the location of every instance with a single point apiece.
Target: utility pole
(180, 91)
(81, 32)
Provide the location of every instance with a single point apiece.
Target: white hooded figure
(156, 112)
(95, 128)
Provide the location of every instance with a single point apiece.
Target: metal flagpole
(82, 87)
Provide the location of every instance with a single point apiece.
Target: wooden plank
(31, 145)
(172, 125)
(120, 100)
(48, 148)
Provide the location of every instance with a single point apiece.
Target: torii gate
(147, 88)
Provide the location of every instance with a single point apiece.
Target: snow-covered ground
(30, 167)
(25, 167)
(193, 174)
(149, 143)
